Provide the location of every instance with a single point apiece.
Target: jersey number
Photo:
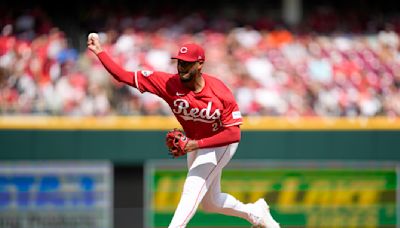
(215, 126)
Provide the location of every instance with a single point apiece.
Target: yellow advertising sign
(299, 197)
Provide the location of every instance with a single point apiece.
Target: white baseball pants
(202, 185)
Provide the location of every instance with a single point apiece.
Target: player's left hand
(176, 142)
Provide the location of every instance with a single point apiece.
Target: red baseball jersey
(201, 114)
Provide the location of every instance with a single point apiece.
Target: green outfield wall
(309, 195)
(132, 140)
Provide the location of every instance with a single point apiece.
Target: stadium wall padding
(133, 147)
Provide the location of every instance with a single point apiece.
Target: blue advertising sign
(56, 195)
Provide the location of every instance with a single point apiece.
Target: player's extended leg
(256, 213)
(203, 169)
(216, 202)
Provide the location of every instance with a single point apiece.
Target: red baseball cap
(190, 53)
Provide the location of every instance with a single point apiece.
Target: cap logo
(183, 50)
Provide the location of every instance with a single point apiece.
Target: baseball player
(210, 118)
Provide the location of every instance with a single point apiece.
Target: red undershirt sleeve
(227, 136)
(115, 70)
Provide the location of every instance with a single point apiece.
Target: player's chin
(185, 77)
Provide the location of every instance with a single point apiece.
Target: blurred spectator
(335, 69)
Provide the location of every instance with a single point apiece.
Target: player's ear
(200, 65)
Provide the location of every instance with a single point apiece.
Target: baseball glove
(176, 141)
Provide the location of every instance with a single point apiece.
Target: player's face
(187, 70)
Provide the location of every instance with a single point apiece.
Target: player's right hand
(93, 43)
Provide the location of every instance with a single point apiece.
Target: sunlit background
(317, 82)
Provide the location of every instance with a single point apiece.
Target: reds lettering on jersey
(181, 108)
(201, 114)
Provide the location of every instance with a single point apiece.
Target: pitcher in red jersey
(210, 117)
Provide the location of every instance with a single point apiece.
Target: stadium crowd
(271, 70)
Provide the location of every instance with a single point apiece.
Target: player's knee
(210, 206)
(213, 203)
